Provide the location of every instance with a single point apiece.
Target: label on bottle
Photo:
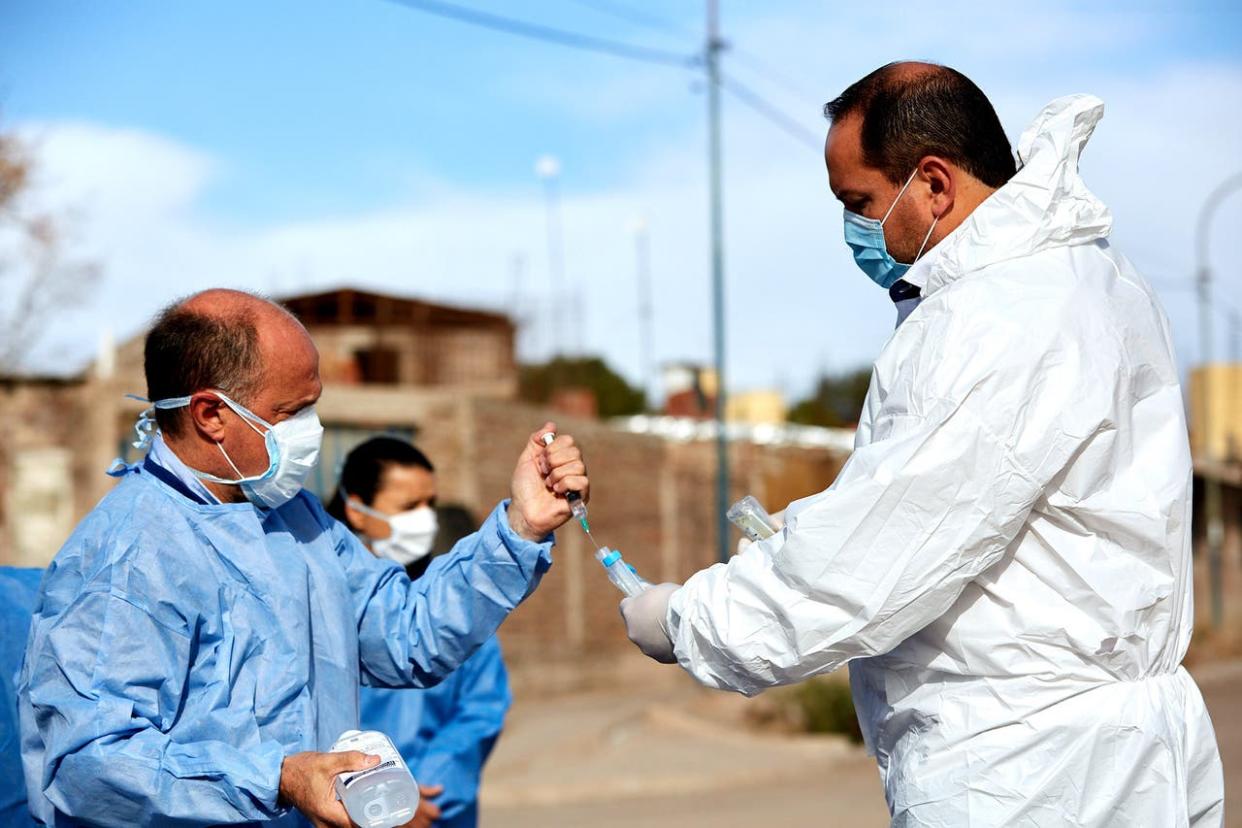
(371, 742)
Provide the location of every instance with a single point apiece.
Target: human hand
(542, 477)
(646, 622)
(307, 782)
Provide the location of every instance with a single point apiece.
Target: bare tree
(37, 280)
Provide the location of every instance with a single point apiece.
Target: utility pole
(712, 49)
(1215, 529)
(548, 168)
(646, 349)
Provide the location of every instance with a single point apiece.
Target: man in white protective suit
(1005, 560)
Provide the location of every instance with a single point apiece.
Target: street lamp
(642, 260)
(1211, 484)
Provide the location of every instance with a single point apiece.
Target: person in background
(387, 495)
(18, 590)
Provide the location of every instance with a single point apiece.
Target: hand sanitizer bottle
(383, 796)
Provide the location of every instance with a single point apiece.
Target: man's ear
(206, 412)
(941, 178)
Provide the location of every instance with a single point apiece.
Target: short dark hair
(189, 351)
(364, 469)
(909, 112)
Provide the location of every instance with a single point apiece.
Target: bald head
(226, 340)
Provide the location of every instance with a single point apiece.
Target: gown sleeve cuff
(522, 549)
(269, 759)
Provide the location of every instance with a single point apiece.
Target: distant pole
(1211, 483)
(646, 324)
(1235, 336)
(548, 168)
(517, 304)
(712, 50)
(1235, 357)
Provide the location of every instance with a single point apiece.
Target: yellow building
(1216, 411)
(757, 407)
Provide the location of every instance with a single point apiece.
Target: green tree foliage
(615, 396)
(836, 402)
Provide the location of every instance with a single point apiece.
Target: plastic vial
(380, 797)
(754, 521)
(622, 575)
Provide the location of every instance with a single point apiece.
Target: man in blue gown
(199, 641)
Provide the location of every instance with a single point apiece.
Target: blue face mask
(865, 236)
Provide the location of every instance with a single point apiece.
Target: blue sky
(297, 145)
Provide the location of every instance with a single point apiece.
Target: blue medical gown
(446, 732)
(181, 650)
(18, 589)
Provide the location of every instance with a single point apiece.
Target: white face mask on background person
(412, 533)
(292, 453)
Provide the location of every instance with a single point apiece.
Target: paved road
(1222, 690)
(835, 789)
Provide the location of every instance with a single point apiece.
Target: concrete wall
(1228, 635)
(653, 499)
(56, 441)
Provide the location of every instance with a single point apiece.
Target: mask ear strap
(352, 502)
(935, 220)
(232, 465)
(246, 414)
(902, 192)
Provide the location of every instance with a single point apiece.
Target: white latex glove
(646, 621)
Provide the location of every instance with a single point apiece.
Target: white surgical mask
(292, 453)
(412, 533)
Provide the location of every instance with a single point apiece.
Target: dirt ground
(643, 760)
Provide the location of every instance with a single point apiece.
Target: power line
(766, 70)
(768, 110)
(548, 34)
(614, 48)
(638, 18)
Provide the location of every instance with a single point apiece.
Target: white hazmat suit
(1005, 559)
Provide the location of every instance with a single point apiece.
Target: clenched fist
(542, 477)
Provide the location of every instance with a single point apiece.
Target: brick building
(372, 339)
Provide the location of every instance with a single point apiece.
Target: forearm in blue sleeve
(413, 633)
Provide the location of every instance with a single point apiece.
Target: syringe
(622, 575)
(576, 506)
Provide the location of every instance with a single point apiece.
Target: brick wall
(652, 499)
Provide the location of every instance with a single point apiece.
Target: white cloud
(796, 303)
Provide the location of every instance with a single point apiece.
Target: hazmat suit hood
(1045, 205)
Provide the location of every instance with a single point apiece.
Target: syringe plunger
(576, 505)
